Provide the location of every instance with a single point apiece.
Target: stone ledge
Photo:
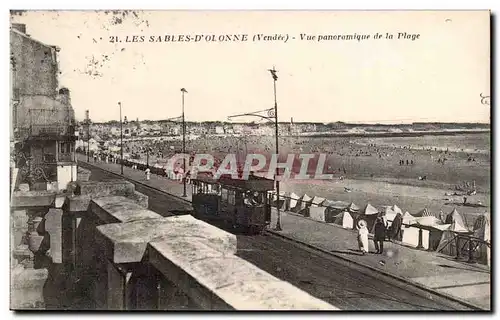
(106, 188)
(27, 199)
(115, 209)
(140, 199)
(77, 203)
(217, 277)
(127, 241)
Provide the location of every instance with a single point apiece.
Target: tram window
(231, 197)
(224, 194)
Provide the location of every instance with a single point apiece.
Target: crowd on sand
(218, 146)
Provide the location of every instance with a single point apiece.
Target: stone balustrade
(180, 258)
(109, 252)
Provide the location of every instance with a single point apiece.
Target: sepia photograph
(166, 160)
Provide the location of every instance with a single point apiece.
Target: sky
(437, 77)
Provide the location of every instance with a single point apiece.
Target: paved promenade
(440, 273)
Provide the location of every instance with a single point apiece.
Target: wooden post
(457, 241)
(471, 252)
(420, 239)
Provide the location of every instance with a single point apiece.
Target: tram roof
(253, 182)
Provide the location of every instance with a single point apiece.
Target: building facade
(43, 120)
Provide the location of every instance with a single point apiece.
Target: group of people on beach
(381, 232)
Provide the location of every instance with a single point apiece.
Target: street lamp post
(275, 78)
(184, 142)
(87, 122)
(121, 139)
(272, 116)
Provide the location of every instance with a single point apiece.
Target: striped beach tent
(424, 213)
(353, 208)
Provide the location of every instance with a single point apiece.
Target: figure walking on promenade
(148, 173)
(379, 235)
(363, 236)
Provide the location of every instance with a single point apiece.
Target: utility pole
(87, 119)
(275, 78)
(121, 139)
(184, 142)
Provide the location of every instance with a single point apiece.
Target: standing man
(148, 173)
(379, 235)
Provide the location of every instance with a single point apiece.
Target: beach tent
(410, 237)
(303, 205)
(389, 215)
(408, 219)
(345, 220)
(448, 243)
(282, 199)
(285, 201)
(428, 221)
(482, 231)
(353, 208)
(317, 213)
(369, 214)
(481, 227)
(336, 205)
(396, 209)
(424, 213)
(293, 201)
(317, 201)
(456, 220)
(333, 208)
(370, 210)
(435, 228)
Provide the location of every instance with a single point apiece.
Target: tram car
(243, 204)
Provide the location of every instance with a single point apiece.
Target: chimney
(64, 96)
(19, 27)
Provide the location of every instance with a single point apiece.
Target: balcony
(47, 132)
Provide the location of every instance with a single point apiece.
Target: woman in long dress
(362, 236)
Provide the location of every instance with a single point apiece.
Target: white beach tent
(345, 220)
(370, 210)
(293, 201)
(317, 201)
(317, 213)
(434, 229)
(448, 243)
(304, 202)
(410, 237)
(408, 219)
(396, 209)
(389, 216)
(428, 221)
(456, 220)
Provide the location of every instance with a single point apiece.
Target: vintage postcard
(250, 160)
